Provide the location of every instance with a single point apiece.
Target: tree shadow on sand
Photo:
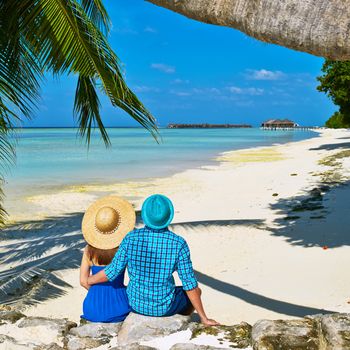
(316, 218)
(37, 276)
(41, 251)
(332, 146)
(257, 299)
(38, 249)
(252, 298)
(209, 224)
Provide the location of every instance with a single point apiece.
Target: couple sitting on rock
(151, 254)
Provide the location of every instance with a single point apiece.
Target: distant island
(208, 126)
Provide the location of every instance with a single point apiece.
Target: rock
(62, 326)
(73, 342)
(335, 330)
(96, 330)
(187, 346)
(134, 346)
(10, 343)
(11, 316)
(239, 336)
(138, 328)
(285, 335)
(316, 193)
(51, 346)
(5, 307)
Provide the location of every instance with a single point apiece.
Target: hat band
(108, 232)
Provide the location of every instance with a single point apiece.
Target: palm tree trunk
(319, 27)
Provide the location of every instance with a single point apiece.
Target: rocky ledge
(175, 333)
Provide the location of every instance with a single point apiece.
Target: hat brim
(108, 241)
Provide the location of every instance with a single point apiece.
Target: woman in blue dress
(104, 225)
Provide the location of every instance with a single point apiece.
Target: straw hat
(107, 221)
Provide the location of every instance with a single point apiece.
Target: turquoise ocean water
(50, 157)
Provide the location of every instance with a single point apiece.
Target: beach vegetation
(40, 37)
(335, 82)
(334, 176)
(337, 121)
(335, 159)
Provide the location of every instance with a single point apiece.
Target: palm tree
(58, 37)
(319, 27)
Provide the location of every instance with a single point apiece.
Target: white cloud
(145, 88)
(180, 93)
(206, 91)
(163, 68)
(264, 74)
(180, 81)
(124, 30)
(252, 91)
(149, 29)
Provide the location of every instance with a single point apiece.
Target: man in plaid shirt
(152, 254)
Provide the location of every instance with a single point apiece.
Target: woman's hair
(100, 256)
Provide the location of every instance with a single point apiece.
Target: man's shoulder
(178, 240)
(167, 234)
(135, 232)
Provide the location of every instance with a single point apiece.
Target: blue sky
(186, 71)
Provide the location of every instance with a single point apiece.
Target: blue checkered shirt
(151, 257)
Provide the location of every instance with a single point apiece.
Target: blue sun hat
(157, 211)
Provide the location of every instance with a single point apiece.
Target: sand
(268, 230)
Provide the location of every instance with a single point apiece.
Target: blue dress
(106, 302)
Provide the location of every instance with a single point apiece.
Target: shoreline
(257, 240)
(24, 203)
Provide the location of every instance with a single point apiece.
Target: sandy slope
(254, 255)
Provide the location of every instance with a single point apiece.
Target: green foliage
(336, 121)
(59, 37)
(335, 82)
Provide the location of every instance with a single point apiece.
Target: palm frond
(19, 68)
(60, 37)
(87, 109)
(7, 157)
(97, 13)
(68, 41)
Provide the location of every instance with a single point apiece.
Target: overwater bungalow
(279, 124)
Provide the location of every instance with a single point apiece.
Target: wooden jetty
(208, 126)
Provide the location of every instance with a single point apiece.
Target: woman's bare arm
(85, 270)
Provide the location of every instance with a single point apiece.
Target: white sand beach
(268, 230)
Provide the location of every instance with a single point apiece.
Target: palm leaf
(7, 158)
(97, 13)
(60, 37)
(68, 41)
(87, 108)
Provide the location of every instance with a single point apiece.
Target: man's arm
(100, 277)
(114, 269)
(195, 297)
(190, 284)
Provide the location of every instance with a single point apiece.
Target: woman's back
(105, 302)
(105, 223)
